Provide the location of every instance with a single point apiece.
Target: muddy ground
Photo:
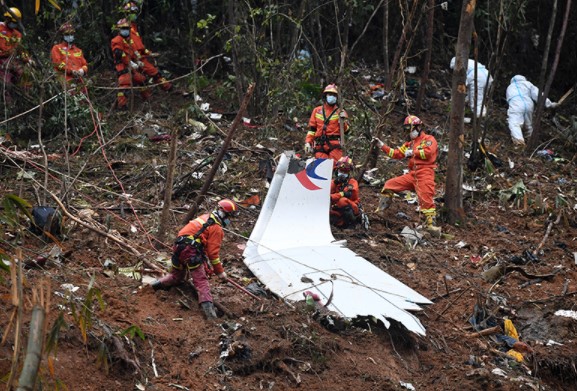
(135, 338)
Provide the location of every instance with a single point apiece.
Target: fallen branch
(283, 367)
(450, 304)
(548, 232)
(121, 243)
(445, 294)
(485, 332)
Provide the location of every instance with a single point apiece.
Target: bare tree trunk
(454, 181)
(427, 65)
(344, 38)
(545, 59)
(165, 214)
(297, 27)
(402, 40)
(534, 140)
(386, 37)
(200, 197)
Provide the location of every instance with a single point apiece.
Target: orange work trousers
(422, 181)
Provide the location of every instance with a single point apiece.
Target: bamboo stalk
(33, 357)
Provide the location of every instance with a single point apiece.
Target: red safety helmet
(413, 120)
(123, 23)
(67, 28)
(131, 7)
(331, 88)
(344, 164)
(228, 206)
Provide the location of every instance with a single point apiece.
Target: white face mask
(414, 133)
(68, 38)
(331, 99)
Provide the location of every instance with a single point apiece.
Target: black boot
(348, 217)
(208, 309)
(157, 285)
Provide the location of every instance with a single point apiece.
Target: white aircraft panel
(292, 250)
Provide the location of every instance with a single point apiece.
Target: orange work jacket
(424, 151)
(211, 238)
(325, 117)
(9, 40)
(136, 41)
(128, 54)
(68, 58)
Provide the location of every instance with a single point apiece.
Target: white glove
(222, 276)
(140, 64)
(408, 153)
(308, 148)
(378, 142)
(79, 72)
(553, 105)
(133, 65)
(343, 114)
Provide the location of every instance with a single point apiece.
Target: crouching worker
(344, 211)
(196, 251)
(421, 154)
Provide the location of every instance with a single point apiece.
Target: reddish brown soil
(277, 346)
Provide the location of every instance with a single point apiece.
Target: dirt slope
(271, 345)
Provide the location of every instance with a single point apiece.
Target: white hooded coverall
(484, 81)
(520, 96)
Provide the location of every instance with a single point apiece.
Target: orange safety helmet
(16, 13)
(228, 206)
(332, 88)
(344, 164)
(66, 28)
(123, 23)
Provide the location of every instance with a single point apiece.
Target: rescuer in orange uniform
(11, 55)
(142, 53)
(197, 245)
(126, 65)
(344, 195)
(324, 136)
(67, 58)
(421, 152)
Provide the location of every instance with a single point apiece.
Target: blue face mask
(12, 25)
(68, 38)
(331, 99)
(125, 33)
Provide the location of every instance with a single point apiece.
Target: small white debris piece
(551, 343)
(511, 164)
(567, 314)
(133, 229)
(205, 106)
(216, 116)
(411, 69)
(499, 372)
(408, 386)
(461, 244)
(69, 287)
(140, 386)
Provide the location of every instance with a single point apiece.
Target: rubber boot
(348, 217)
(159, 286)
(208, 309)
(430, 224)
(385, 200)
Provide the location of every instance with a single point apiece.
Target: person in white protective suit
(521, 97)
(484, 80)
